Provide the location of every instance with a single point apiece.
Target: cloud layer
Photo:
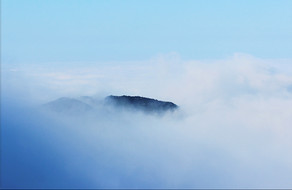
(233, 129)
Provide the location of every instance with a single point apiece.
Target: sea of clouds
(233, 128)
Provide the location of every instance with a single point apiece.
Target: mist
(233, 128)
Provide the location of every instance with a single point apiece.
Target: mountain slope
(68, 106)
(87, 104)
(141, 103)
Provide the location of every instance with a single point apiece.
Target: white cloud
(235, 130)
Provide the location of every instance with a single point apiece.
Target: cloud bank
(233, 129)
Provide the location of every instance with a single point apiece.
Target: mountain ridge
(142, 103)
(86, 104)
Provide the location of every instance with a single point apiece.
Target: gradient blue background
(42, 31)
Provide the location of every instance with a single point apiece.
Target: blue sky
(44, 31)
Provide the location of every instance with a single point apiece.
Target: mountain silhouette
(141, 103)
(87, 104)
(68, 106)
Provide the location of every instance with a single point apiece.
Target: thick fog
(232, 130)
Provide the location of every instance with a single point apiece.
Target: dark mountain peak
(142, 103)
